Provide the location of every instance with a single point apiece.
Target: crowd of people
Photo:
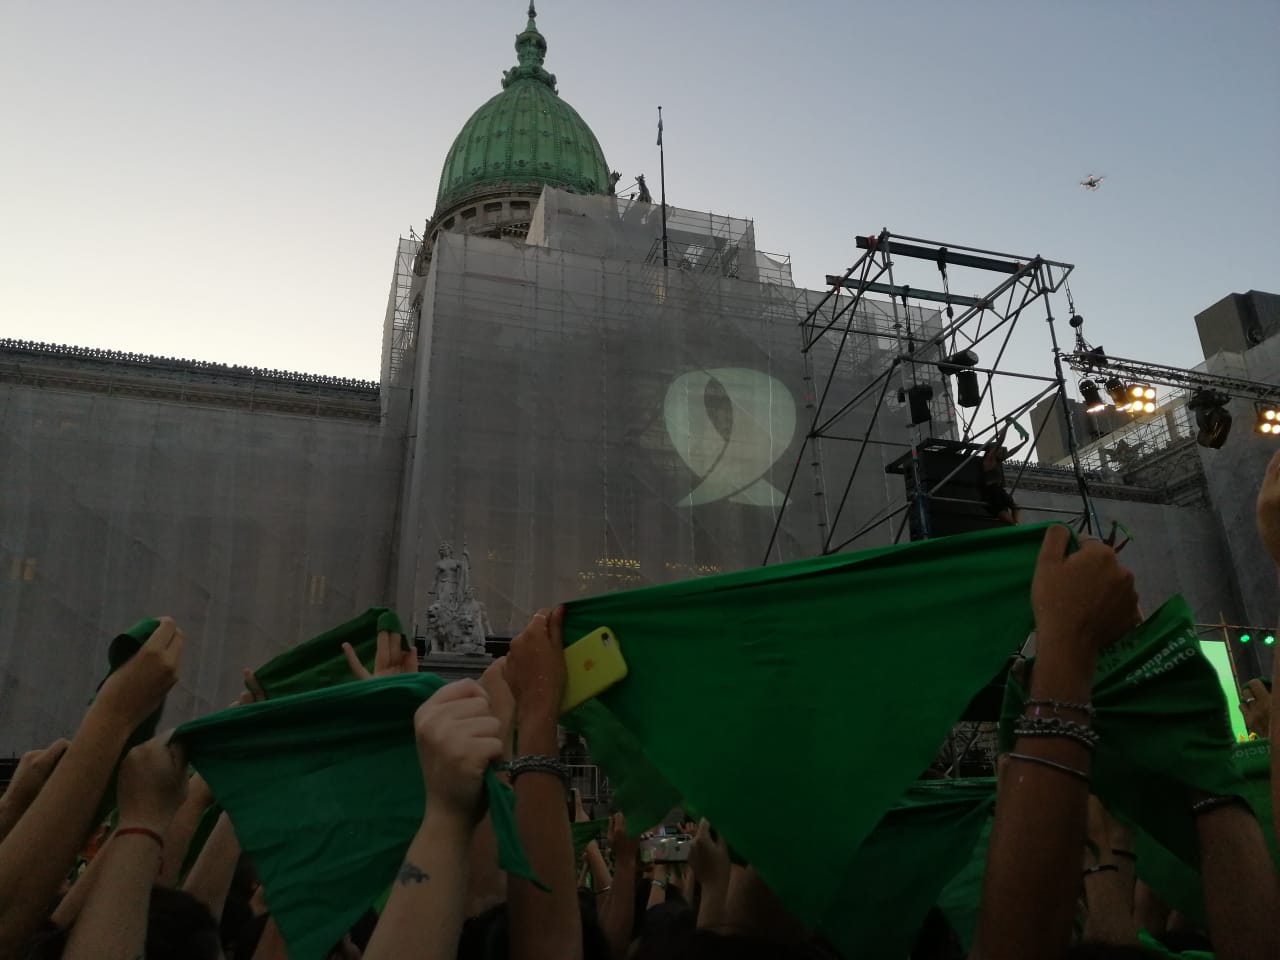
(1059, 879)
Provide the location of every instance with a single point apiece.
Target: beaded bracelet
(1052, 764)
(1056, 705)
(1081, 733)
(537, 764)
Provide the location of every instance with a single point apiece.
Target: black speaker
(955, 506)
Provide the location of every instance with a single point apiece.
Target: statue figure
(614, 177)
(456, 620)
(645, 195)
(449, 575)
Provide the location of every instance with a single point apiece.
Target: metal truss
(1092, 361)
(969, 321)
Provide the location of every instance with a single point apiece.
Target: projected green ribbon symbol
(731, 460)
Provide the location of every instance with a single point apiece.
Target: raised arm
(1082, 603)
(544, 923)
(39, 850)
(458, 737)
(487, 886)
(28, 780)
(1241, 895)
(211, 875)
(182, 829)
(616, 907)
(113, 922)
(710, 863)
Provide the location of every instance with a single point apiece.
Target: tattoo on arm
(409, 873)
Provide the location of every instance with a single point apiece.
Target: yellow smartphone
(592, 666)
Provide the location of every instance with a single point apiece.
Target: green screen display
(1215, 652)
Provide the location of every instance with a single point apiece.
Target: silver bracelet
(1212, 803)
(1081, 733)
(537, 764)
(1057, 705)
(1044, 762)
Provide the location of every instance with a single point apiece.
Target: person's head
(180, 927)
(664, 929)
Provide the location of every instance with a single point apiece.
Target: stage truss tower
(912, 355)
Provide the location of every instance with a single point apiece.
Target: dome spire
(531, 51)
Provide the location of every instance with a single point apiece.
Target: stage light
(1142, 398)
(918, 398)
(1213, 420)
(1118, 393)
(1245, 638)
(1269, 639)
(968, 392)
(1268, 419)
(1093, 402)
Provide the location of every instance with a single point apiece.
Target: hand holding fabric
(1084, 601)
(1269, 509)
(458, 737)
(389, 660)
(709, 857)
(501, 700)
(152, 785)
(138, 688)
(535, 667)
(1255, 706)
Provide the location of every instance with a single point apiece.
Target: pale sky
(228, 181)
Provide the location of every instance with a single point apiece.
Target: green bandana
(120, 652)
(320, 662)
(961, 898)
(924, 841)
(1163, 728)
(1177, 882)
(325, 792)
(584, 833)
(783, 694)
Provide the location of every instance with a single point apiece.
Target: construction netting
(588, 419)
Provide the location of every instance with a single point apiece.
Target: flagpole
(662, 182)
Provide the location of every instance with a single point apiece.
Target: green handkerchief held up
(812, 692)
(1163, 728)
(325, 792)
(320, 662)
(120, 652)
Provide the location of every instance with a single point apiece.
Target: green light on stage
(1269, 639)
(1245, 638)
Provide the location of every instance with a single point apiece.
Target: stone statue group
(456, 620)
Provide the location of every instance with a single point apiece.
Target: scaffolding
(401, 324)
(908, 359)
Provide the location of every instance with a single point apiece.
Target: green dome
(524, 138)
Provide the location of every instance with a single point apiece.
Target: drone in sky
(1092, 182)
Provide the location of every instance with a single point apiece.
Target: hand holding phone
(592, 666)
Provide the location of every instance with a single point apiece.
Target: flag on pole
(659, 126)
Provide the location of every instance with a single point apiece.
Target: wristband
(536, 764)
(142, 832)
(1053, 765)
